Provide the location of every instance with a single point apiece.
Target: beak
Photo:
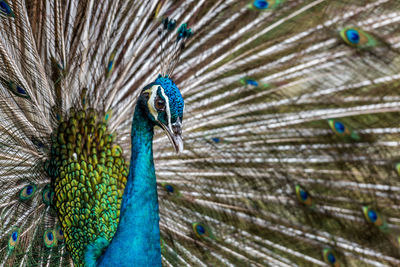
(175, 135)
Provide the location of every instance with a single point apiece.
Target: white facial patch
(150, 103)
(167, 109)
(153, 111)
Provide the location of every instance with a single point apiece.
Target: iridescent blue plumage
(138, 234)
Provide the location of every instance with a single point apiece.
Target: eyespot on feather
(17, 90)
(27, 192)
(5, 9)
(49, 238)
(111, 64)
(202, 231)
(171, 189)
(330, 257)
(356, 37)
(303, 196)
(373, 217)
(46, 195)
(59, 233)
(107, 116)
(340, 129)
(14, 238)
(249, 81)
(262, 5)
(216, 139)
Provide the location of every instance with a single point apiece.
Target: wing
(88, 176)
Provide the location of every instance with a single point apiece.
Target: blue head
(164, 104)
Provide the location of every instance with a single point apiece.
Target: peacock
(200, 133)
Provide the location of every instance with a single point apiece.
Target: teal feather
(289, 121)
(95, 250)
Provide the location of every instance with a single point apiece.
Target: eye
(160, 104)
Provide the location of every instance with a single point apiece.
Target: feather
(290, 128)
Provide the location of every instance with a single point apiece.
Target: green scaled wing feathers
(88, 176)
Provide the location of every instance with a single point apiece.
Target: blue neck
(137, 240)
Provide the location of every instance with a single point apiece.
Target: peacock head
(164, 104)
